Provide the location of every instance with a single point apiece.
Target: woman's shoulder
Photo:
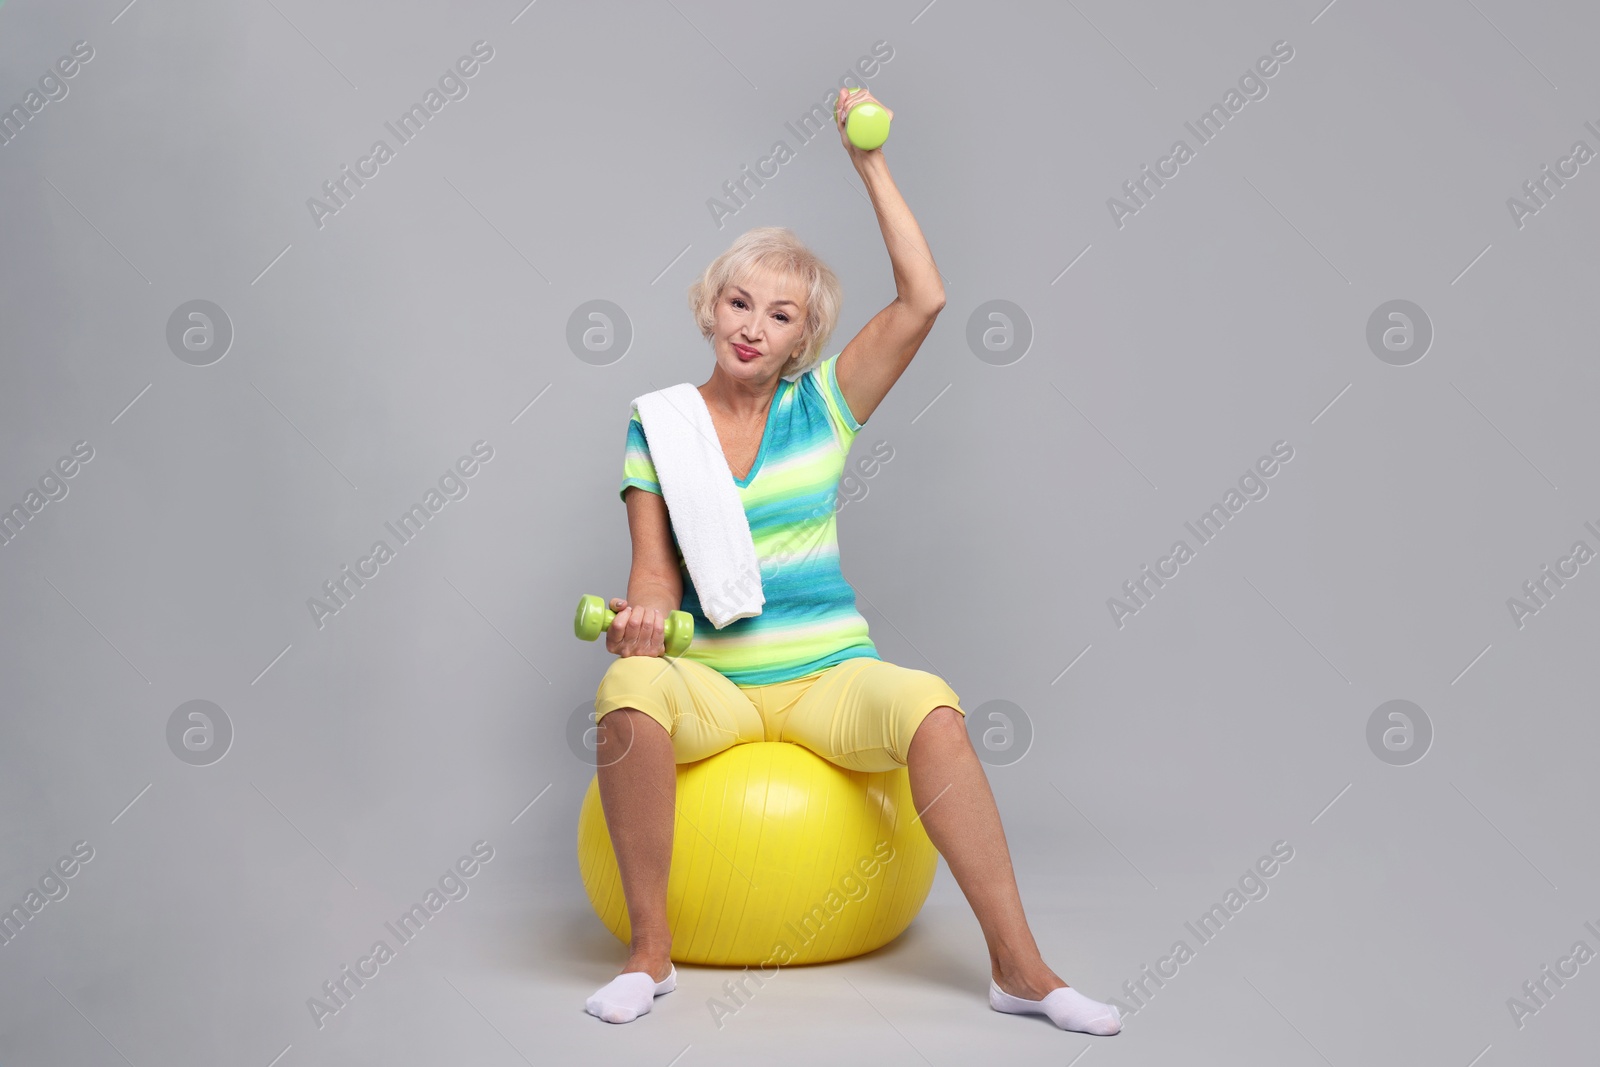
(819, 387)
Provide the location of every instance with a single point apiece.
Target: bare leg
(958, 810)
(637, 790)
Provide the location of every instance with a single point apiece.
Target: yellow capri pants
(860, 713)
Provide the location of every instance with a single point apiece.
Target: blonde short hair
(775, 248)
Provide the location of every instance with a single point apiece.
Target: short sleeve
(637, 467)
(827, 383)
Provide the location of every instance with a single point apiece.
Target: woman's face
(759, 320)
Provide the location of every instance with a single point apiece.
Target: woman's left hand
(855, 97)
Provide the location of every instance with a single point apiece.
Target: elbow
(928, 305)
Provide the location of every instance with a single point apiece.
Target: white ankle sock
(629, 995)
(1066, 1007)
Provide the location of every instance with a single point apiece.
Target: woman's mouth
(745, 354)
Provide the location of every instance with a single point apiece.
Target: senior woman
(804, 669)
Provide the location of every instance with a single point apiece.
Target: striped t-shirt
(809, 620)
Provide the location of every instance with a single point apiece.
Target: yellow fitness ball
(778, 857)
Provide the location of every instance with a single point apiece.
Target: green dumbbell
(867, 125)
(594, 618)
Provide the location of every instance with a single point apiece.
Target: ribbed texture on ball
(768, 844)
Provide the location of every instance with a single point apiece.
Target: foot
(633, 991)
(658, 965)
(1045, 994)
(1031, 984)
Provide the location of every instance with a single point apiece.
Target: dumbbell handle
(594, 618)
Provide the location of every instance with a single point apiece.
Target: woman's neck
(742, 400)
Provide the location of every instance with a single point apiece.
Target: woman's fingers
(649, 623)
(851, 98)
(639, 627)
(636, 631)
(643, 631)
(847, 100)
(614, 631)
(626, 621)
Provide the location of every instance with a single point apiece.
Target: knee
(625, 670)
(617, 731)
(628, 678)
(621, 722)
(945, 722)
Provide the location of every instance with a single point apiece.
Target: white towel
(707, 515)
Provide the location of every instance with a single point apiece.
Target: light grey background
(369, 354)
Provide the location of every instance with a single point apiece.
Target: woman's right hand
(636, 631)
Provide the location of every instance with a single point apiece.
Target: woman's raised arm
(876, 357)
